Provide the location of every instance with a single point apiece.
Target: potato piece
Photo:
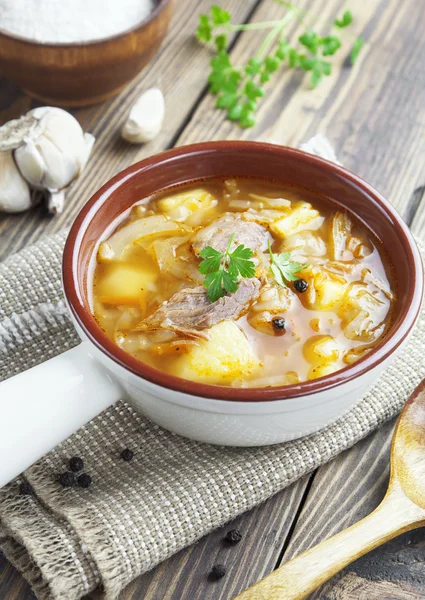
(135, 232)
(322, 370)
(321, 349)
(303, 217)
(225, 356)
(325, 288)
(180, 206)
(125, 284)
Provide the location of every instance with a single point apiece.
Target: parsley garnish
(239, 88)
(283, 268)
(223, 269)
(358, 45)
(347, 19)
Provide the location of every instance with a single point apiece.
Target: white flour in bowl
(61, 21)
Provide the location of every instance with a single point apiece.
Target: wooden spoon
(402, 509)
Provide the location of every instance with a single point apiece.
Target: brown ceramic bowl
(256, 415)
(82, 73)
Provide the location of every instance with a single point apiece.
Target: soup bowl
(72, 388)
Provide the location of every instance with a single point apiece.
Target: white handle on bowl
(41, 407)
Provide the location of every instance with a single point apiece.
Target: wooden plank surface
(374, 115)
(342, 493)
(185, 575)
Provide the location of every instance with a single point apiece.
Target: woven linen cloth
(67, 542)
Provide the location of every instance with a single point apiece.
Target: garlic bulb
(15, 194)
(55, 150)
(145, 119)
(50, 150)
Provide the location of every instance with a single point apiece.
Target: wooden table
(374, 114)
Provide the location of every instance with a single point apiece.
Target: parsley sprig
(239, 88)
(283, 268)
(223, 269)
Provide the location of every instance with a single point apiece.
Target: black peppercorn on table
(374, 115)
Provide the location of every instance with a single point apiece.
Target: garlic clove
(63, 130)
(15, 194)
(146, 117)
(31, 163)
(59, 167)
(55, 202)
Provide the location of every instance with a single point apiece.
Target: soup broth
(317, 299)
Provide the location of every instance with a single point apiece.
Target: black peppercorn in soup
(242, 282)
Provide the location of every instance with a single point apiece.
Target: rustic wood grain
(185, 575)
(353, 587)
(401, 510)
(12, 585)
(373, 114)
(344, 491)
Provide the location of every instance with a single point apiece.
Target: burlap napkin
(67, 542)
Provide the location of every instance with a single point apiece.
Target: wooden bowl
(83, 73)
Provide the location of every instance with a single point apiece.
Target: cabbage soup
(243, 282)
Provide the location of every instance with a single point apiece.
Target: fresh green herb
(357, 46)
(223, 269)
(239, 88)
(347, 19)
(283, 268)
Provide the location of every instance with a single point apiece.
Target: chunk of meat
(189, 311)
(250, 234)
